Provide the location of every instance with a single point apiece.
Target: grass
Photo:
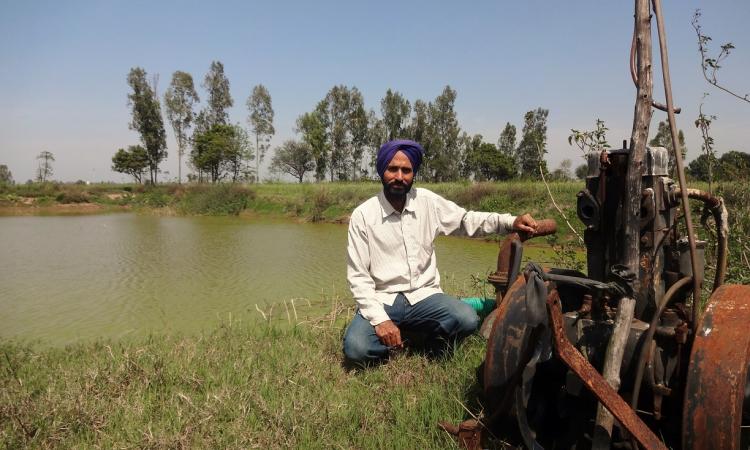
(246, 385)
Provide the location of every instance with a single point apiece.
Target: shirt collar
(387, 209)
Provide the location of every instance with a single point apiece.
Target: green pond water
(70, 278)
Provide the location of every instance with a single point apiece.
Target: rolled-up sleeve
(358, 272)
(455, 220)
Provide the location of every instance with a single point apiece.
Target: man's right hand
(389, 334)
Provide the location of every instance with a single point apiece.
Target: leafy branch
(711, 65)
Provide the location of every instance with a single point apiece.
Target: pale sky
(63, 67)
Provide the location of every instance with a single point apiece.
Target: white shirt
(391, 252)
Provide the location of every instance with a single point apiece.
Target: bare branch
(712, 64)
(549, 192)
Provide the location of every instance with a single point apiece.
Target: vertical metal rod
(678, 159)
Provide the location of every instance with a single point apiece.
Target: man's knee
(359, 346)
(356, 350)
(466, 319)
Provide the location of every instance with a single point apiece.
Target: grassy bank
(326, 202)
(250, 385)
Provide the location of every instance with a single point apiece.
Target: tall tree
(663, 138)
(358, 127)
(178, 101)
(44, 169)
(261, 123)
(533, 144)
(443, 138)
(147, 120)
(471, 156)
(420, 122)
(376, 136)
(293, 158)
(395, 110)
(133, 162)
(336, 109)
(312, 126)
(219, 98)
(6, 178)
(506, 145)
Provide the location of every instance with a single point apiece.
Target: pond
(69, 278)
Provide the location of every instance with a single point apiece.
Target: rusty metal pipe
(681, 283)
(719, 211)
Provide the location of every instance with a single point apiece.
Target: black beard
(396, 189)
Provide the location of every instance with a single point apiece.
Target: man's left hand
(525, 223)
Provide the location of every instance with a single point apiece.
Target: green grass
(244, 385)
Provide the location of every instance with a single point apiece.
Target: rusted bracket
(595, 382)
(469, 433)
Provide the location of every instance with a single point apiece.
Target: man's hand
(389, 334)
(525, 223)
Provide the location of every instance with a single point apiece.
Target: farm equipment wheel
(715, 413)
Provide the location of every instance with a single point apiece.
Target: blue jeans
(444, 319)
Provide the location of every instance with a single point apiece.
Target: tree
(420, 123)
(442, 138)
(6, 178)
(735, 166)
(344, 119)
(293, 158)
(147, 120)
(485, 162)
(395, 110)
(335, 109)
(261, 123)
(533, 144)
(663, 138)
(701, 167)
(221, 152)
(219, 98)
(44, 169)
(178, 101)
(506, 144)
(313, 129)
(359, 128)
(133, 162)
(562, 173)
(376, 136)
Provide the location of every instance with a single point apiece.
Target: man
(391, 265)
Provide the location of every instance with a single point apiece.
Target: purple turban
(411, 149)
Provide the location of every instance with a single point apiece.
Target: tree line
(338, 139)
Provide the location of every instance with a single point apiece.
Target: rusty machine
(630, 354)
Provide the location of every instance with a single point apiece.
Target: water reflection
(64, 279)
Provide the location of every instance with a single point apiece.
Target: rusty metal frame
(594, 380)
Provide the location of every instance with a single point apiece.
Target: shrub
(217, 200)
(73, 196)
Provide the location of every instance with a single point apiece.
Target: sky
(63, 67)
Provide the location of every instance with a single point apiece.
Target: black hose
(681, 283)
